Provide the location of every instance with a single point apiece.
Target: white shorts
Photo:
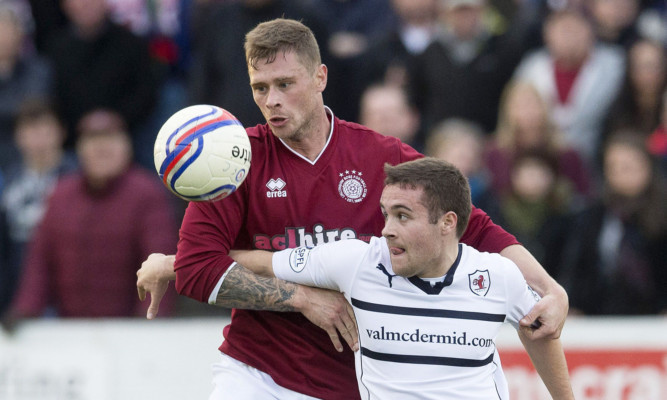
(235, 380)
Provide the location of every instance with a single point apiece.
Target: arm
(157, 232)
(549, 361)
(552, 309)
(242, 288)
(325, 308)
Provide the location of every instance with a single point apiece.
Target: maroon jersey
(289, 201)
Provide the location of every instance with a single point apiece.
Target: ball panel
(202, 153)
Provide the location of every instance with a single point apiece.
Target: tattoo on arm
(246, 290)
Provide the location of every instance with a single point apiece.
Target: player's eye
(284, 85)
(402, 217)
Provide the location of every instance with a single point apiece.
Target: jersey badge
(384, 271)
(480, 282)
(276, 187)
(352, 187)
(298, 258)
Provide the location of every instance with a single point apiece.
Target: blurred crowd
(555, 110)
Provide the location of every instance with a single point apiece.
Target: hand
(331, 311)
(153, 277)
(547, 317)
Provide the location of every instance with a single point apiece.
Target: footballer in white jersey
(419, 339)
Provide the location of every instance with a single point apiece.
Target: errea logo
(276, 188)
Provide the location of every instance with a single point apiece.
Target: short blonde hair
(269, 38)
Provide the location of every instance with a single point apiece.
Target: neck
(449, 255)
(313, 137)
(44, 162)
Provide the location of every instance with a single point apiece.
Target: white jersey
(419, 341)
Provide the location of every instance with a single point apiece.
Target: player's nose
(273, 98)
(387, 230)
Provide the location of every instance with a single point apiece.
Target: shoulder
(494, 262)
(258, 132)
(355, 136)
(347, 247)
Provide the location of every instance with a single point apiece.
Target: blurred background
(555, 110)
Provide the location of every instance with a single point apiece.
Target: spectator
(462, 143)
(535, 206)
(98, 227)
(639, 103)
(22, 76)
(352, 25)
(615, 21)
(99, 64)
(525, 124)
(385, 108)
(462, 72)
(388, 57)
(165, 25)
(219, 73)
(615, 261)
(39, 137)
(578, 78)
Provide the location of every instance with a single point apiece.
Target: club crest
(352, 187)
(480, 282)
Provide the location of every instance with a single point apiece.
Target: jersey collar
(330, 115)
(426, 287)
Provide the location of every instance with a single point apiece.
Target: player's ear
(448, 222)
(321, 76)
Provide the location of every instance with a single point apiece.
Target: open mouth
(277, 120)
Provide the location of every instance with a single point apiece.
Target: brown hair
(269, 38)
(35, 109)
(445, 188)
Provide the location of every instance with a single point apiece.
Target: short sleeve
(331, 266)
(520, 297)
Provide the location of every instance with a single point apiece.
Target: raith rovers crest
(351, 186)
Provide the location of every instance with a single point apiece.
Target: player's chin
(398, 266)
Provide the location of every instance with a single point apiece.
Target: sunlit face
(527, 114)
(41, 137)
(647, 67)
(614, 14)
(569, 39)
(532, 180)
(415, 244)
(465, 21)
(104, 156)
(86, 14)
(627, 170)
(10, 39)
(415, 10)
(465, 154)
(288, 95)
(385, 110)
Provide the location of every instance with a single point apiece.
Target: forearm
(549, 361)
(244, 289)
(536, 276)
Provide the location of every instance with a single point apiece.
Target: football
(202, 153)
